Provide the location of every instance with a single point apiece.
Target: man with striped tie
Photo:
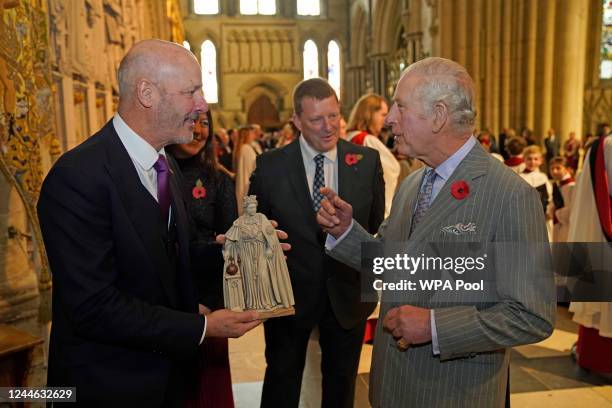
(432, 353)
(287, 183)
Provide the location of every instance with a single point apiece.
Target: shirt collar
(139, 149)
(446, 169)
(309, 153)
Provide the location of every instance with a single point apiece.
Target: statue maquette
(255, 274)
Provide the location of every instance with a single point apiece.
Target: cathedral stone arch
(387, 16)
(359, 34)
(196, 39)
(263, 99)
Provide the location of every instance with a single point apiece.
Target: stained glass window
(333, 66)
(209, 72)
(250, 7)
(311, 60)
(206, 6)
(605, 67)
(309, 7)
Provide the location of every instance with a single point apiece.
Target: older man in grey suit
(429, 353)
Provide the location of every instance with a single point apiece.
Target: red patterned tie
(163, 185)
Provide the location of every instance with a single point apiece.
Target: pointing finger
(328, 193)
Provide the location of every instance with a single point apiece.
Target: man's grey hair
(448, 82)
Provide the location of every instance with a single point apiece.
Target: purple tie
(163, 185)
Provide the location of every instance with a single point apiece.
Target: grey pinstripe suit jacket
(474, 337)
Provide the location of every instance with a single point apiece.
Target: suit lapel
(181, 221)
(142, 209)
(346, 173)
(473, 166)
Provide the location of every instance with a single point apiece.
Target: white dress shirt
(143, 156)
(330, 165)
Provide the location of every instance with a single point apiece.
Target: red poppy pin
(460, 189)
(352, 158)
(198, 191)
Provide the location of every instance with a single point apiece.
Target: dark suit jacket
(124, 315)
(552, 147)
(280, 184)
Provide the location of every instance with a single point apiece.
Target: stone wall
(262, 55)
(534, 62)
(88, 40)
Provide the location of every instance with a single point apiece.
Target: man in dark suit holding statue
(125, 315)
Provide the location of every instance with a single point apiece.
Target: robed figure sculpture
(255, 271)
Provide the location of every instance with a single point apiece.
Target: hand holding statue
(256, 276)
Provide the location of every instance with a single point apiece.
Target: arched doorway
(263, 101)
(263, 112)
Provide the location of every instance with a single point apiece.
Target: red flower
(460, 189)
(352, 158)
(198, 191)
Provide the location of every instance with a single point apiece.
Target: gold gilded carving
(79, 97)
(27, 114)
(176, 22)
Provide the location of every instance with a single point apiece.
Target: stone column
(474, 52)
(460, 31)
(505, 63)
(446, 29)
(490, 94)
(531, 22)
(379, 73)
(570, 65)
(517, 66)
(544, 68)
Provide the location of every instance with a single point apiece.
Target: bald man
(125, 314)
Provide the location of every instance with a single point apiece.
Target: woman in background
(244, 162)
(211, 203)
(365, 124)
(287, 135)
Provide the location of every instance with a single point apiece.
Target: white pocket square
(460, 229)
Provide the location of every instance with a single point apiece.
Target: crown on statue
(251, 199)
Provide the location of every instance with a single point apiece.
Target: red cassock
(594, 351)
(214, 380)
